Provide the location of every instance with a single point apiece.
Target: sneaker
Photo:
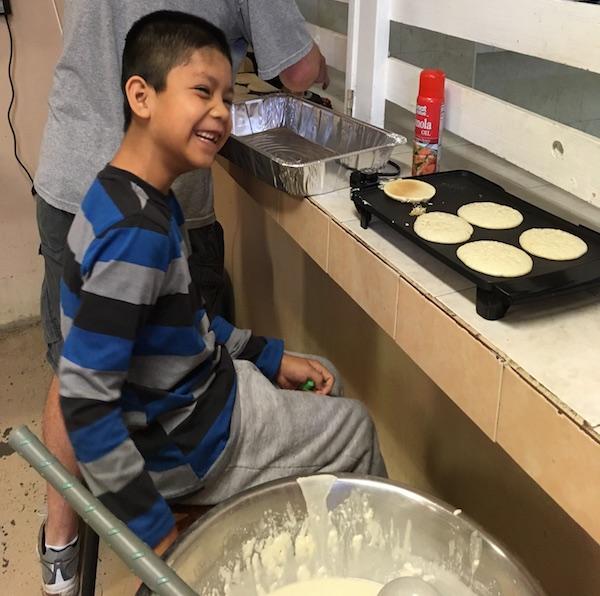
(60, 573)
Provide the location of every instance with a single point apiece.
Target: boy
(159, 402)
(85, 111)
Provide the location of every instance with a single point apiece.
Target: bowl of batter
(350, 535)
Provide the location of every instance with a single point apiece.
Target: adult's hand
(306, 72)
(323, 78)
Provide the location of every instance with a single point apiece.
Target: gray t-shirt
(85, 117)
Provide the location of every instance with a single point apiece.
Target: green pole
(135, 553)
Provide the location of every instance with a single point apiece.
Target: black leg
(365, 219)
(491, 305)
(89, 561)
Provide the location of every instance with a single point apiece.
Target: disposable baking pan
(304, 148)
(459, 187)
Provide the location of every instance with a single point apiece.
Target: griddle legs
(491, 305)
(365, 218)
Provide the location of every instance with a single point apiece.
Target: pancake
(491, 216)
(552, 244)
(409, 191)
(441, 227)
(495, 258)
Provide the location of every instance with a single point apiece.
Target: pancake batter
(491, 216)
(495, 258)
(331, 586)
(555, 245)
(441, 227)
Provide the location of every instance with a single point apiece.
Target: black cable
(395, 169)
(12, 100)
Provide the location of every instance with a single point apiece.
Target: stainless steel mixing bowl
(437, 533)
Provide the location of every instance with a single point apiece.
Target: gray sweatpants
(281, 433)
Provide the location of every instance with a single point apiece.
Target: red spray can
(429, 122)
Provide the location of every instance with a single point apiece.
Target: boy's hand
(295, 371)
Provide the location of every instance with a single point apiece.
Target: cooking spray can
(429, 122)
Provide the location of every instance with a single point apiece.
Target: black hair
(162, 40)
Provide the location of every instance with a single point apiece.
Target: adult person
(85, 111)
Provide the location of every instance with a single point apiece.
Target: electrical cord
(12, 101)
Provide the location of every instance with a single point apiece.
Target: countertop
(530, 381)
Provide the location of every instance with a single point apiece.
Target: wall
(36, 46)
(562, 93)
(427, 442)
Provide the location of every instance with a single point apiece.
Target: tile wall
(36, 46)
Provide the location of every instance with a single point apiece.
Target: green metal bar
(135, 553)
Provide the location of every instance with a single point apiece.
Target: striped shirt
(147, 382)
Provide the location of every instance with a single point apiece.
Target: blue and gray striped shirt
(147, 382)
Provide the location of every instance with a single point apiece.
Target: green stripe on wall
(328, 14)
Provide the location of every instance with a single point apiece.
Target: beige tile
(306, 224)
(456, 361)
(563, 459)
(227, 194)
(249, 187)
(337, 204)
(554, 339)
(412, 262)
(364, 277)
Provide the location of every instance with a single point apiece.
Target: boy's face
(191, 117)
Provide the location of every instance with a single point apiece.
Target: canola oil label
(428, 128)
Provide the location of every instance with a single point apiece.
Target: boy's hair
(162, 40)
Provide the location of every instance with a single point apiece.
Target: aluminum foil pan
(303, 148)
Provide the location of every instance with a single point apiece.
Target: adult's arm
(308, 71)
(282, 44)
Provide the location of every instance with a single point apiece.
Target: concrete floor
(24, 380)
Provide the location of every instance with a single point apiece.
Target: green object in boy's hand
(308, 385)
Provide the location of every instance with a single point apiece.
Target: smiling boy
(160, 402)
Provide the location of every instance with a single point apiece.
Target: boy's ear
(139, 95)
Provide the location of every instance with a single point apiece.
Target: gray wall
(562, 93)
(325, 13)
(332, 15)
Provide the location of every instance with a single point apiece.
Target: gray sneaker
(60, 569)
